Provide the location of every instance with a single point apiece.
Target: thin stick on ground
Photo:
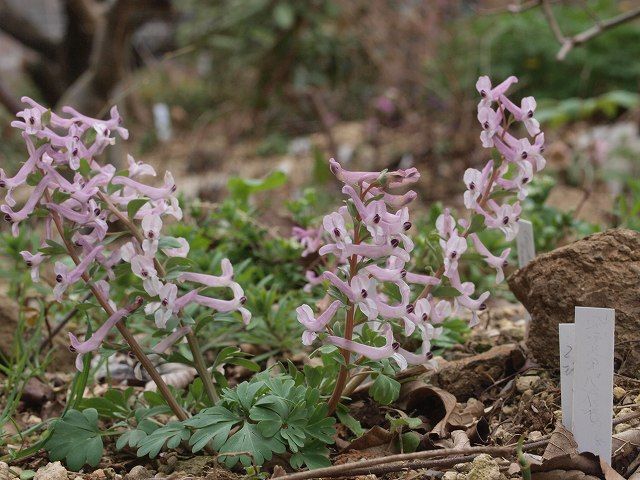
(418, 460)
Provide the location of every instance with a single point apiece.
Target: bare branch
(24, 31)
(596, 30)
(553, 22)
(568, 42)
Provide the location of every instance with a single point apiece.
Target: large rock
(602, 270)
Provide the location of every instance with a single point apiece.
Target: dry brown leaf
(480, 432)
(626, 442)
(563, 475)
(561, 443)
(561, 455)
(609, 473)
(460, 439)
(376, 438)
(466, 415)
(417, 398)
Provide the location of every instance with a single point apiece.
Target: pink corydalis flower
(66, 277)
(224, 280)
(310, 239)
(393, 179)
(491, 94)
(93, 343)
(154, 193)
(312, 324)
(33, 261)
(497, 262)
(163, 310)
(139, 169)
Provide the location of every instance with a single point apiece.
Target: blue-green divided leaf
(212, 425)
(248, 439)
(76, 439)
(172, 434)
(313, 456)
(348, 421)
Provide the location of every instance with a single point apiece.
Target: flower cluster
(369, 238)
(81, 199)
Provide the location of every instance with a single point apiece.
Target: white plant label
(593, 380)
(567, 342)
(524, 243)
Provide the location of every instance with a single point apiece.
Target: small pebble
(535, 435)
(619, 393)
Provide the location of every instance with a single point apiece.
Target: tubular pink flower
(114, 123)
(171, 340)
(139, 169)
(372, 353)
(310, 239)
(224, 280)
(393, 179)
(154, 193)
(313, 325)
(489, 94)
(93, 343)
(33, 261)
(496, 262)
(223, 305)
(421, 279)
(66, 277)
(340, 285)
(16, 217)
(181, 251)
